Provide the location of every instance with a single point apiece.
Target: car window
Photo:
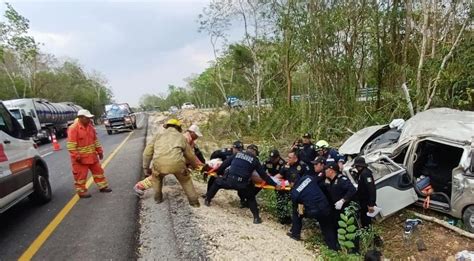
(386, 139)
(6, 122)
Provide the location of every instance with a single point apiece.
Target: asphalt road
(101, 227)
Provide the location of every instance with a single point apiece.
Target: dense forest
(28, 72)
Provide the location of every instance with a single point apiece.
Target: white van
(23, 173)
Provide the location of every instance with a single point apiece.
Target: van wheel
(42, 189)
(109, 132)
(468, 218)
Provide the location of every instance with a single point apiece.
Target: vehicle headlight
(127, 119)
(106, 122)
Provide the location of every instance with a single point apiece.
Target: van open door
(395, 189)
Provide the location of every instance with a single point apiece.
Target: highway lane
(20, 225)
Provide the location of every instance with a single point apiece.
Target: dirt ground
(228, 233)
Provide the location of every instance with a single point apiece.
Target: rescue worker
(366, 193)
(191, 135)
(308, 194)
(274, 164)
(307, 150)
(325, 151)
(339, 188)
(238, 177)
(170, 153)
(291, 172)
(223, 154)
(86, 152)
(318, 167)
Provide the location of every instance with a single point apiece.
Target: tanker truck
(49, 117)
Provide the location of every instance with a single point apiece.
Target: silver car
(437, 144)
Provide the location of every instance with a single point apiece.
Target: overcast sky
(140, 47)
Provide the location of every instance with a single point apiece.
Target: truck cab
(23, 173)
(118, 117)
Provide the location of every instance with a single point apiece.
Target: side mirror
(29, 126)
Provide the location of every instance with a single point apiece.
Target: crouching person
(170, 153)
(309, 201)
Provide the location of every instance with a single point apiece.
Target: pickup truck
(118, 117)
(23, 173)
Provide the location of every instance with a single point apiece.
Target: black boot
(207, 202)
(257, 220)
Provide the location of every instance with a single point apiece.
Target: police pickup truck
(23, 173)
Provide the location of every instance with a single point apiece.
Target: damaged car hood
(354, 144)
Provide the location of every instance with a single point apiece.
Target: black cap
(274, 154)
(307, 135)
(359, 162)
(319, 159)
(253, 147)
(238, 144)
(332, 165)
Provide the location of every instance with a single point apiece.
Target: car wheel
(468, 218)
(42, 189)
(109, 132)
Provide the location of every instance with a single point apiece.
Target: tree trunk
(426, 9)
(408, 7)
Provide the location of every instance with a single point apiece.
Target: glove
(339, 204)
(101, 156)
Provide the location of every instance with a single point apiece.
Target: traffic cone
(56, 146)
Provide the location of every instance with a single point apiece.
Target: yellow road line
(46, 233)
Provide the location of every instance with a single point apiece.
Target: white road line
(46, 154)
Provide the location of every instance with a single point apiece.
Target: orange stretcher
(262, 185)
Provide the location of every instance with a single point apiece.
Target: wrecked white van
(435, 145)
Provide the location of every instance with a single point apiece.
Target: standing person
(307, 150)
(366, 192)
(191, 135)
(318, 167)
(325, 151)
(274, 164)
(238, 177)
(307, 193)
(339, 188)
(86, 152)
(291, 172)
(169, 153)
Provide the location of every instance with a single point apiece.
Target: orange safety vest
(82, 143)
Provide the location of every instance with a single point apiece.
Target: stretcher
(285, 184)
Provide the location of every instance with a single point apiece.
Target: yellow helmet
(174, 122)
(322, 144)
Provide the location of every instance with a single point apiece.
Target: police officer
(307, 192)
(318, 167)
(223, 154)
(238, 177)
(274, 164)
(339, 188)
(307, 150)
(325, 151)
(291, 172)
(366, 193)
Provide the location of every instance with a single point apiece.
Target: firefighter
(366, 192)
(191, 135)
(169, 153)
(306, 150)
(86, 153)
(291, 172)
(308, 194)
(238, 177)
(323, 149)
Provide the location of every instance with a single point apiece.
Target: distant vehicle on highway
(49, 117)
(119, 116)
(23, 173)
(234, 102)
(173, 109)
(188, 106)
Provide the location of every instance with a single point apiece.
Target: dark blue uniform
(291, 173)
(308, 193)
(222, 154)
(272, 168)
(366, 195)
(335, 155)
(307, 153)
(237, 177)
(340, 188)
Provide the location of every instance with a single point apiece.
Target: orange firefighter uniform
(84, 148)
